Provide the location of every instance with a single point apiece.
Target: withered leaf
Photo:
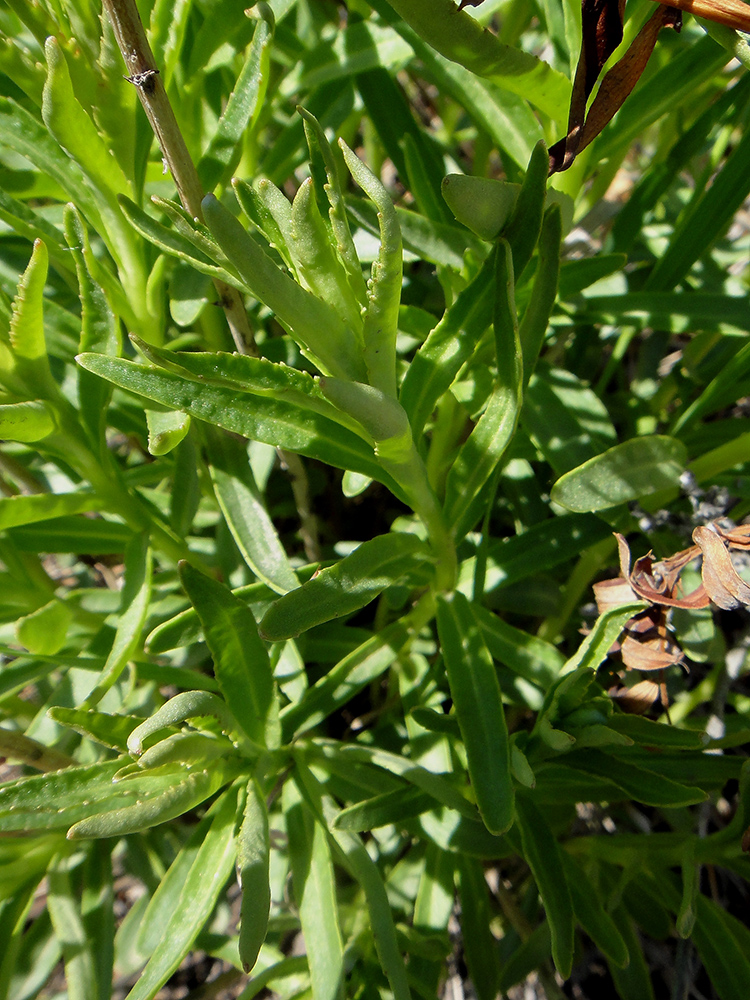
(636, 699)
(602, 32)
(722, 581)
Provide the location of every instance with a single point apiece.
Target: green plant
(218, 667)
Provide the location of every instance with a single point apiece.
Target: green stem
(411, 475)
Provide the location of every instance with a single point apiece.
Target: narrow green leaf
(84, 535)
(269, 211)
(389, 808)
(384, 289)
(333, 755)
(28, 136)
(640, 784)
(246, 515)
(525, 224)
(588, 907)
(342, 682)
(533, 328)
(345, 587)
(109, 730)
(188, 705)
(722, 945)
(274, 421)
(726, 387)
(184, 628)
(242, 108)
(459, 37)
(317, 263)
(347, 252)
(180, 796)
(100, 331)
(656, 734)
(705, 218)
(449, 345)
(53, 801)
(178, 244)
(629, 471)
(77, 945)
(542, 546)
(366, 873)
(200, 892)
(543, 855)
(478, 703)
(482, 451)
(594, 647)
(73, 128)
(14, 920)
(241, 662)
(252, 872)
(315, 893)
(633, 982)
(186, 488)
(535, 660)
(476, 915)
(166, 428)
(163, 903)
(136, 597)
(30, 361)
(504, 116)
(97, 912)
(27, 222)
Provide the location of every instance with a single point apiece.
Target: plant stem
(732, 13)
(410, 473)
(144, 75)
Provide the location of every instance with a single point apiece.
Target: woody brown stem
(731, 13)
(144, 75)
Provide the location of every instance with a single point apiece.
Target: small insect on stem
(731, 13)
(145, 80)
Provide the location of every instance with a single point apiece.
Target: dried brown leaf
(723, 583)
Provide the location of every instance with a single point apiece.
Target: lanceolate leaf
(246, 514)
(542, 853)
(30, 362)
(183, 793)
(241, 111)
(315, 892)
(460, 38)
(201, 890)
(634, 469)
(478, 703)
(240, 659)
(345, 587)
(136, 595)
(252, 873)
(273, 421)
